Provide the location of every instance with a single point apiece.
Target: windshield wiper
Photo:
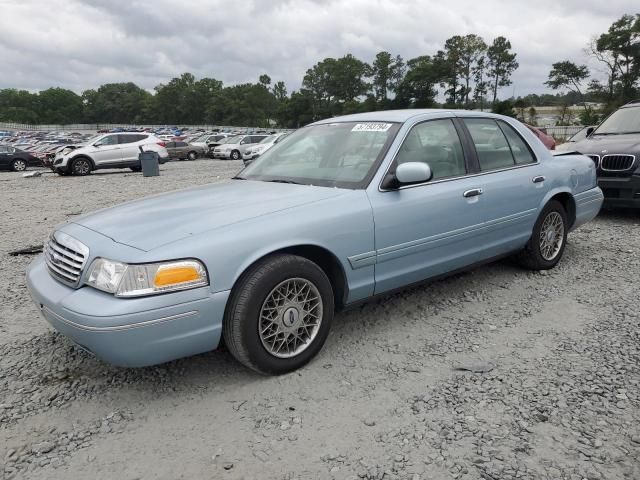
(237, 177)
(284, 181)
(616, 133)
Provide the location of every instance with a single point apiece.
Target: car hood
(611, 143)
(155, 221)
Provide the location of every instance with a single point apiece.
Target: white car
(111, 150)
(235, 147)
(251, 153)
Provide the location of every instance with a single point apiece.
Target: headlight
(125, 280)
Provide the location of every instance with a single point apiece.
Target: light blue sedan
(338, 212)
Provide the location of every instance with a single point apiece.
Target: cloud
(80, 44)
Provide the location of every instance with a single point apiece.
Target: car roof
(632, 103)
(400, 116)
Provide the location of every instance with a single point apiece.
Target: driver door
(425, 230)
(107, 151)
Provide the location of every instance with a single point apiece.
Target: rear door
(182, 148)
(172, 149)
(5, 158)
(510, 181)
(130, 144)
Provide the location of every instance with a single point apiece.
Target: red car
(548, 140)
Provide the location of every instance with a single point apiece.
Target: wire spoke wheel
(290, 317)
(551, 236)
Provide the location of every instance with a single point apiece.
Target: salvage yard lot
(556, 392)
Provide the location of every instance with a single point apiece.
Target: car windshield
(332, 155)
(269, 139)
(93, 139)
(232, 140)
(625, 120)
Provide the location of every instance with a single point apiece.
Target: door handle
(539, 179)
(474, 192)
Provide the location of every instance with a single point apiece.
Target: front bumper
(225, 155)
(621, 192)
(130, 332)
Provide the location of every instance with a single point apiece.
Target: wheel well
(328, 262)
(569, 204)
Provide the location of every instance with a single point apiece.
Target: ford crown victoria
(263, 261)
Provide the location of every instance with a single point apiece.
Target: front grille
(65, 257)
(596, 159)
(617, 163)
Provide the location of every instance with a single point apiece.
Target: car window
(171, 145)
(181, 144)
(491, 144)
(109, 140)
(245, 141)
(437, 144)
(127, 138)
(521, 152)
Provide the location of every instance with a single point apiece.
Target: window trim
(495, 121)
(468, 156)
(498, 120)
(472, 157)
(533, 154)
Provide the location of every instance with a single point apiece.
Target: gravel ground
(498, 373)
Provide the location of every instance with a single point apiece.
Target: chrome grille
(617, 163)
(65, 257)
(596, 159)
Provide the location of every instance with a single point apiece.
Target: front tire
(235, 155)
(279, 314)
(81, 166)
(19, 165)
(546, 245)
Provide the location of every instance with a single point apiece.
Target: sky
(81, 44)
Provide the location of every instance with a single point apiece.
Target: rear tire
(136, 169)
(81, 166)
(548, 240)
(279, 314)
(192, 156)
(19, 165)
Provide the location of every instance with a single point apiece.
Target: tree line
(616, 56)
(466, 73)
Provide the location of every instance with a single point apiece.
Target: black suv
(614, 146)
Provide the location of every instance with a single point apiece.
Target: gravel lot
(554, 391)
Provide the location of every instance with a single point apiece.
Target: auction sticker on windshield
(371, 127)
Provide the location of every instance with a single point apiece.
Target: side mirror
(590, 131)
(413, 172)
(97, 144)
(407, 174)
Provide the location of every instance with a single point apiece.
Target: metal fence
(83, 127)
(563, 132)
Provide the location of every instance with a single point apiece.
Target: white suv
(110, 150)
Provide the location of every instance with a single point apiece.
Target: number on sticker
(371, 127)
